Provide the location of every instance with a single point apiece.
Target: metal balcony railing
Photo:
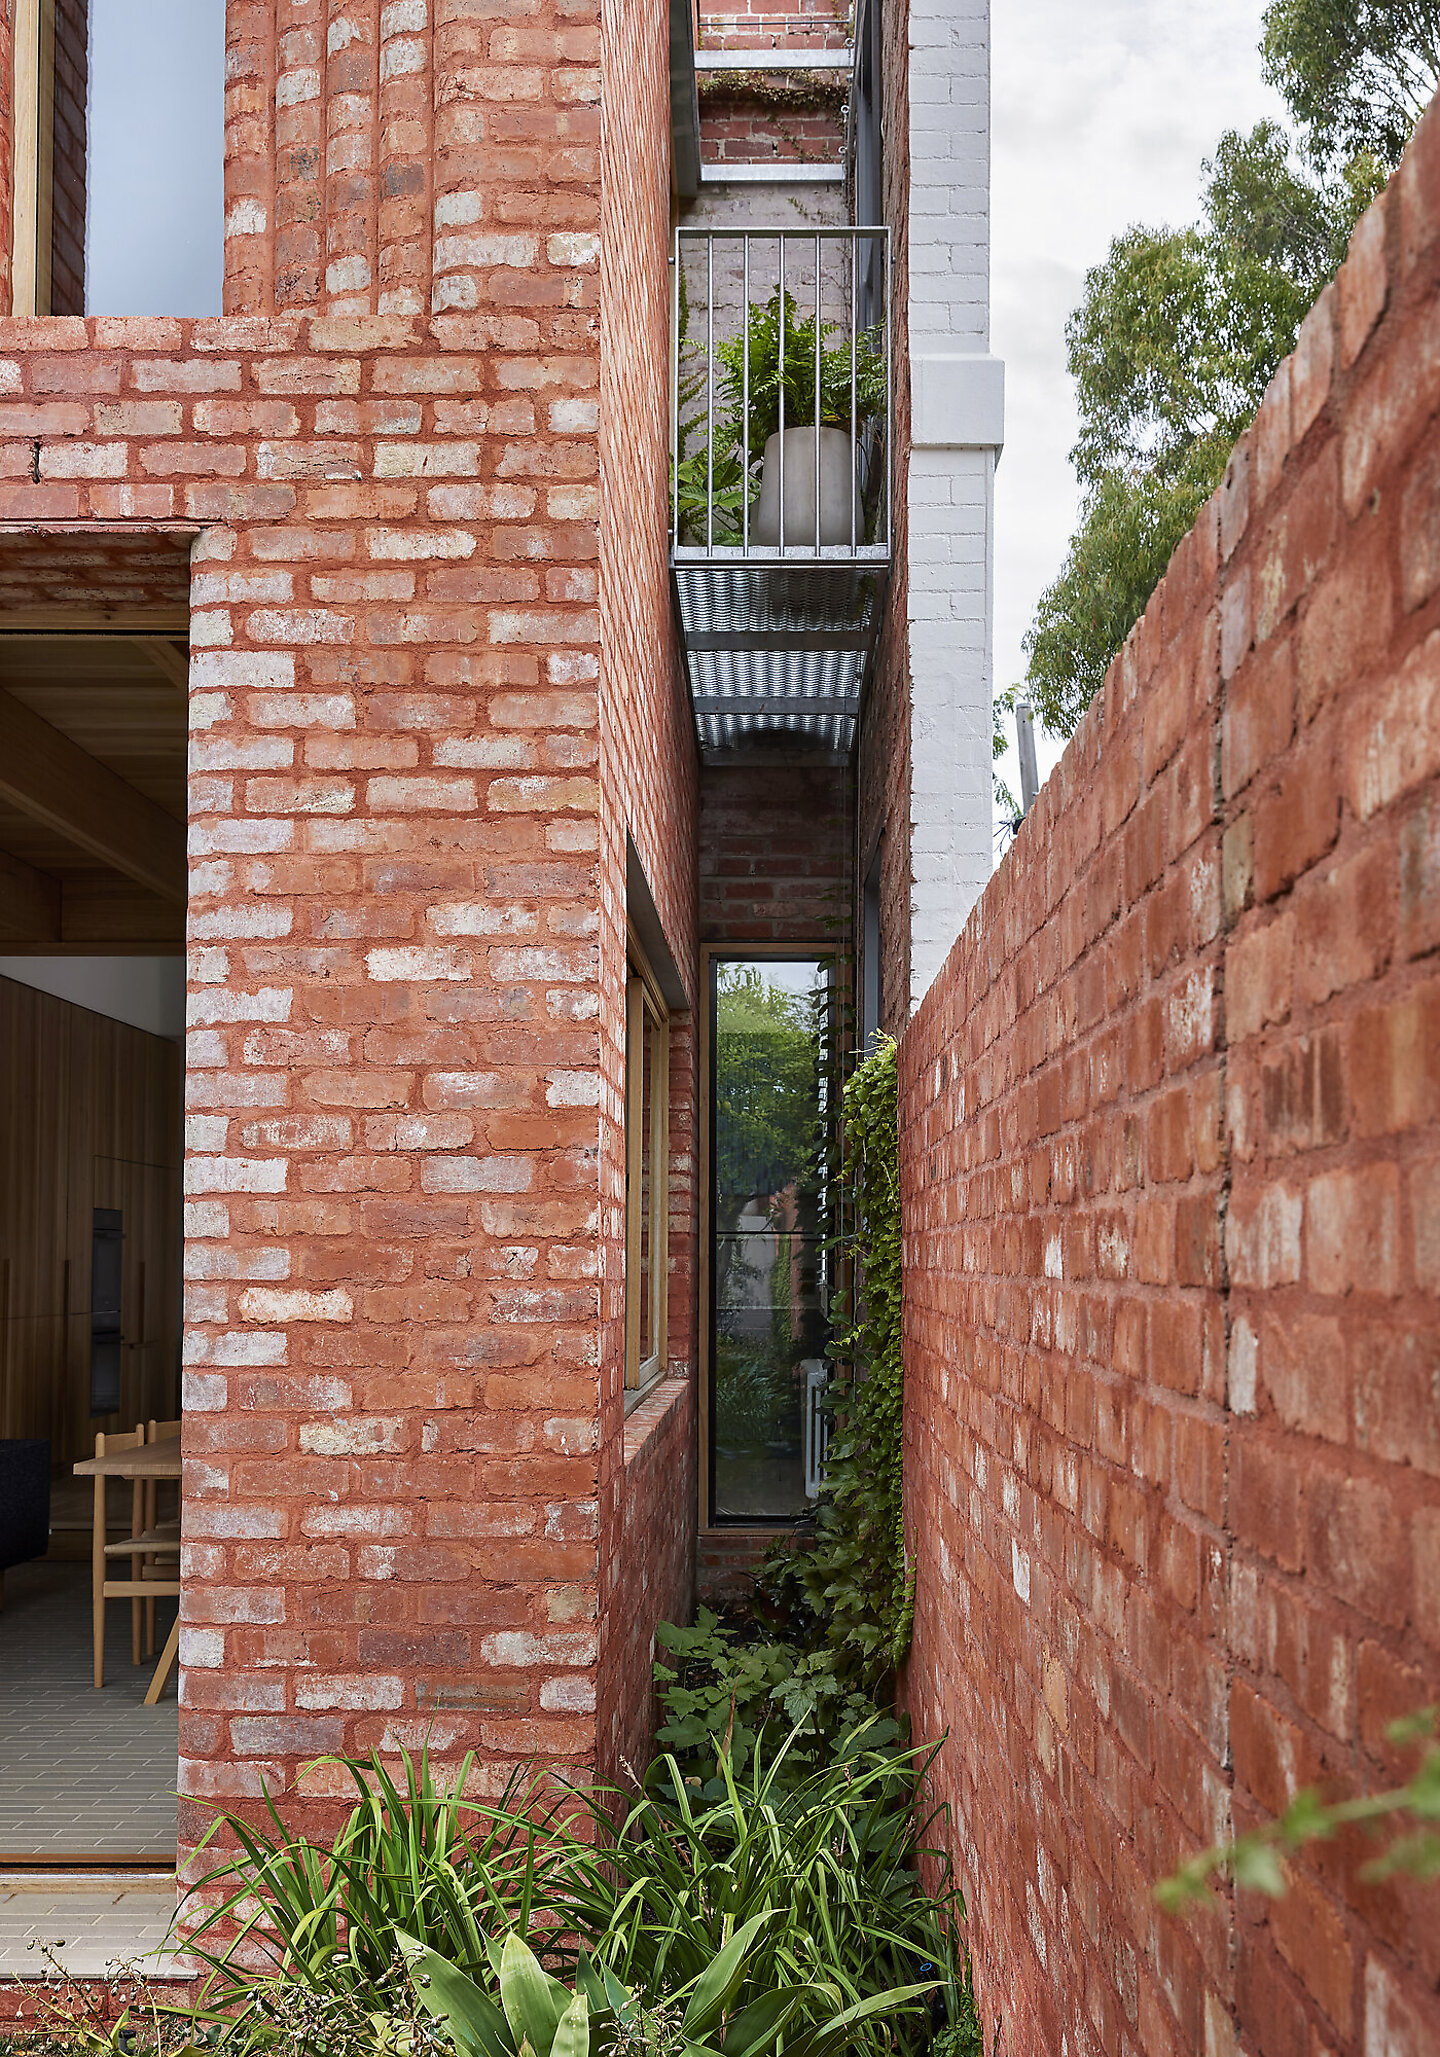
(780, 514)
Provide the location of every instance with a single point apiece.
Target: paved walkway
(82, 1774)
(92, 1923)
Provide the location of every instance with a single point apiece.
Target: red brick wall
(1172, 1129)
(774, 852)
(648, 800)
(393, 1070)
(419, 156)
(786, 117)
(67, 229)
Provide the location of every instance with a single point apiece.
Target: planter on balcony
(841, 501)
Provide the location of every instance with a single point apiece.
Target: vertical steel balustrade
(778, 635)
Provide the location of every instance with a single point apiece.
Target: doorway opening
(93, 736)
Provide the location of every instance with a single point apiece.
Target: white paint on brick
(950, 489)
(568, 1695)
(406, 545)
(235, 1175)
(570, 249)
(206, 1131)
(271, 1003)
(204, 1392)
(295, 1303)
(357, 1436)
(249, 753)
(573, 1089)
(246, 218)
(253, 918)
(252, 669)
(480, 918)
(202, 1649)
(358, 1692)
(395, 965)
(208, 1218)
(518, 1648)
(252, 1349)
(476, 1174)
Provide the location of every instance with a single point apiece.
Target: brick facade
(1171, 1118)
(422, 740)
(648, 789)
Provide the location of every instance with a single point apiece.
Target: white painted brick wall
(951, 487)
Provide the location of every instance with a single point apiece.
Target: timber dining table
(137, 1463)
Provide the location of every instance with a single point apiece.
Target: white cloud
(1101, 116)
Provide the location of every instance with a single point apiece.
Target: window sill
(635, 1394)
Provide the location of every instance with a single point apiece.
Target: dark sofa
(24, 1501)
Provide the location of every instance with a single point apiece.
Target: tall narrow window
(647, 1176)
(119, 120)
(771, 1047)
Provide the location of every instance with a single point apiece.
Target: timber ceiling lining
(120, 700)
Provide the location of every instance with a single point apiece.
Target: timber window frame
(33, 158)
(838, 963)
(647, 1175)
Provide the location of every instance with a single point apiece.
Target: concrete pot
(838, 473)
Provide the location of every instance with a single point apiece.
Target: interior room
(93, 670)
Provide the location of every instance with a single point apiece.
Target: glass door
(771, 1105)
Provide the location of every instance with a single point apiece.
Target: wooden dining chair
(151, 1555)
(168, 1528)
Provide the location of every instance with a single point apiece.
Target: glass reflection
(769, 1196)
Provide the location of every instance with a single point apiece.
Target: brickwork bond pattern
(649, 796)
(1171, 1125)
(393, 1076)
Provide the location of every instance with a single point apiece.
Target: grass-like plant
(818, 1872)
(414, 1857)
(833, 1855)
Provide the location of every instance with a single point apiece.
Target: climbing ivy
(854, 1578)
(819, 1650)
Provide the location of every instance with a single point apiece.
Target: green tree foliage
(1171, 350)
(1180, 330)
(1355, 74)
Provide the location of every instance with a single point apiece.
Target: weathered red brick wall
(71, 151)
(416, 156)
(816, 23)
(750, 117)
(648, 803)
(393, 1069)
(1171, 1127)
(774, 852)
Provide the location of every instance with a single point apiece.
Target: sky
(1101, 115)
(157, 142)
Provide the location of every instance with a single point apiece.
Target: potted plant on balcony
(713, 485)
(851, 394)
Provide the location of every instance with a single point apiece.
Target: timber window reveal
(647, 1175)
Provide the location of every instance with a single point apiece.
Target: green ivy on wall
(854, 1578)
